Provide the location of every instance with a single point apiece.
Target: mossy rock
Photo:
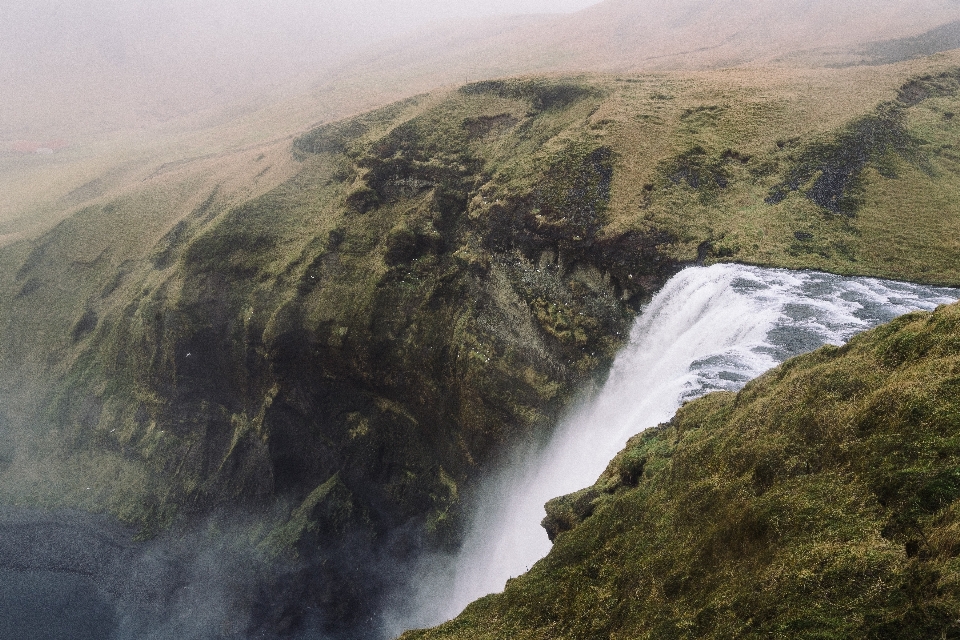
(434, 284)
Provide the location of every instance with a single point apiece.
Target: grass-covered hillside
(429, 283)
(821, 501)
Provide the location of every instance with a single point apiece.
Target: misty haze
(533, 319)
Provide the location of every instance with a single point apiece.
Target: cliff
(341, 356)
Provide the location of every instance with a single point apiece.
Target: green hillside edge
(349, 351)
(821, 501)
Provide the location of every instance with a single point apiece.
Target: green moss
(435, 282)
(328, 506)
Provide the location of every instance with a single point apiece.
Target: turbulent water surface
(709, 328)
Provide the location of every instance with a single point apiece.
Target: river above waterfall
(709, 328)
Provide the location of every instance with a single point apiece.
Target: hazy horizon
(98, 65)
(74, 67)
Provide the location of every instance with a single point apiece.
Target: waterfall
(709, 328)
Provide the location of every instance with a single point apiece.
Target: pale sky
(165, 56)
(53, 34)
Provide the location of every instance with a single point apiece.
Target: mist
(102, 64)
(74, 67)
(70, 574)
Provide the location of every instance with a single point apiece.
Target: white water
(709, 328)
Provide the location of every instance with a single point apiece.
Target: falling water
(708, 329)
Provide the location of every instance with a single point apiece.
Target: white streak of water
(708, 328)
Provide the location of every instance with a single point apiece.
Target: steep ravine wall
(343, 356)
(357, 344)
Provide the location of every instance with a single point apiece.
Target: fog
(72, 70)
(69, 67)
(101, 64)
(69, 574)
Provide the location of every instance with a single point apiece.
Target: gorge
(310, 367)
(709, 328)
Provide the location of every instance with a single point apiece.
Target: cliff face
(344, 354)
(820, 501)
(361, 341)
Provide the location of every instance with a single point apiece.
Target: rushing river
(709, 328)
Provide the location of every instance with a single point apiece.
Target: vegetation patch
(830, 173)
(697, 169)
(943, 38)
(336, 137)
(544, 95)
(356, 346)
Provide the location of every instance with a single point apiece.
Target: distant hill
(623, 35)
(697, 34)
(72, 69)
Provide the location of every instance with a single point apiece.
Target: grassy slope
(429, 282)
(821, 501)
(751, 131)
(748, 129)
(41, 190)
